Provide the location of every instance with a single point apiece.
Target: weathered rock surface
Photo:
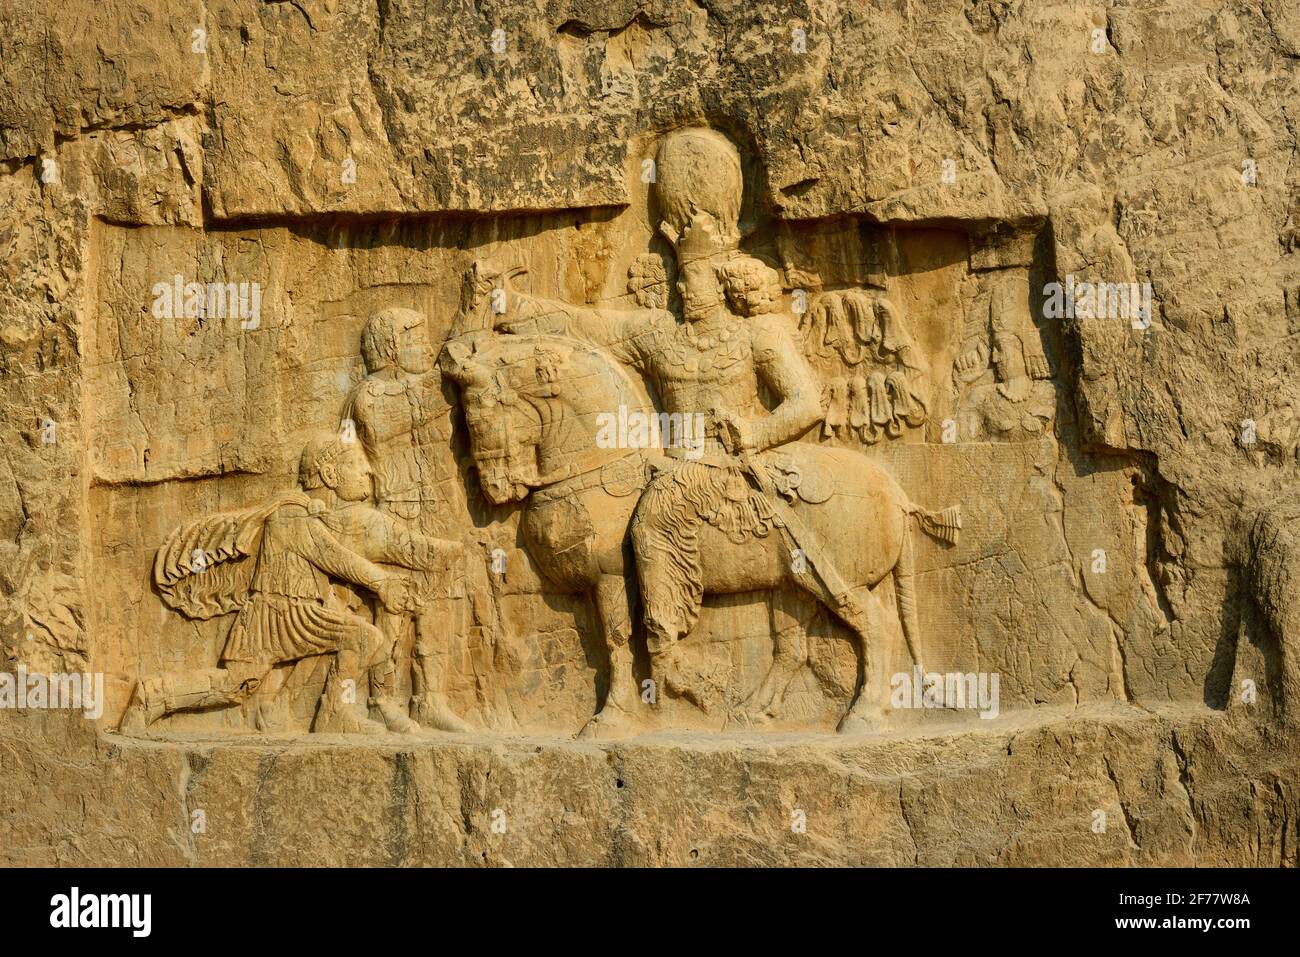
(1129, 555)
(1096, 787)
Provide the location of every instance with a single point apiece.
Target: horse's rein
(556, 484)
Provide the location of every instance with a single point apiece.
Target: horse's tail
(905, 592)
(944, 524)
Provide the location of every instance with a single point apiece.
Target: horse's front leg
(614, 598)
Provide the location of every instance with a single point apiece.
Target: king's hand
(397, 595)
(735, 432)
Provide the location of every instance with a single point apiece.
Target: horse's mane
(630, 390)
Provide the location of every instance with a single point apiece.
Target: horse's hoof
(855, 723)
(393, 717)
(693, 686)
(133, 723)
(750, 717)
(431, 711)
(340, 719)
(607, 723)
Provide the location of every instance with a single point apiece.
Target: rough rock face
(972, 326)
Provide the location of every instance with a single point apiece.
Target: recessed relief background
(554, 432)
(925, 363)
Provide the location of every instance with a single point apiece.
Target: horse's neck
(572, 421)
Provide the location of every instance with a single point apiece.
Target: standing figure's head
(391, 339)
(1008, 358)
(330, 463)
(1008, 355)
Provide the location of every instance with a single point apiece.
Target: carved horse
(533, 406)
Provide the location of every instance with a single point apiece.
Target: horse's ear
(457, 360)
(459, 349)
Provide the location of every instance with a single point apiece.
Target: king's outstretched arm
(626, 333)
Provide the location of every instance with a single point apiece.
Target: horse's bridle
(580, 480)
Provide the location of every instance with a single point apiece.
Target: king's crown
(701, 239)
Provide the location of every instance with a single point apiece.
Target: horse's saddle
(807, 480)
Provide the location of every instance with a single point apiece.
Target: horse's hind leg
(789, 654)
(864, 714)
(853, 607)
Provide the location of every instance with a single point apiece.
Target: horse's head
(504, 386)
(534, 405)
